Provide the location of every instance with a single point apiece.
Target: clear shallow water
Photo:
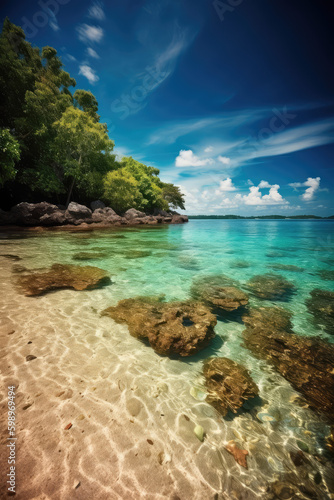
(156, 261)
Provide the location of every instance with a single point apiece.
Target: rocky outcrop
(229, 384)
(321, 305)
(179, 219)
(218, 292)
(46, 214)
(30, 214)
(106, 215)
(76, 211)
(270, 286)
(62, 276)
(306, 362)
(97, 204)
(175, 328)
(132, 213)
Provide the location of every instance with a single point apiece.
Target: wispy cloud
(53, 22)
(96, 11)
(171, 133)
(92, 53)
(289, 141)
(89, 34)
(89, 73)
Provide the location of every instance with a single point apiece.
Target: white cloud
(264, 184)
(226, 185)
(89, 73)
(224, 160)
(312, 184)
(208, 149)
(87, 33)
(187, 158)
(91, 52)
(96, 11)
(255, 197)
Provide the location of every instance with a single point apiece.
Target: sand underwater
(133, 412)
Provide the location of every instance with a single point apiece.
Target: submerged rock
(240, 264)
(270, 286)
(287, 267)
(229, 384)
(10, 256)
(182, 328)
(239, 455)
(268, 318)
(321, 305)
(326, 274)
(62, 276)
(199, 432)
(306, 362)
(218, 292)
(89, 255)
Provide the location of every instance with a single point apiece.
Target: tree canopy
(52, 144)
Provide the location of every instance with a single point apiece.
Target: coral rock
(321, 305)
(270, 286)
(229, 384)
(218, 292)
(306, 362)
(182, 328)
(62, 276)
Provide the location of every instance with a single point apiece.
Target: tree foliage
(9, 154)
(121, 190)
(52, 143)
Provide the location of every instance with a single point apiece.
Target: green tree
(81, 147)
(148, 183)
(87, 102)
(121, 191)
(9, 155)
(173, 196)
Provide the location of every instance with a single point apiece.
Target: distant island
(258, 217)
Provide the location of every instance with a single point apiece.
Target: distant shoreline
(262, 217)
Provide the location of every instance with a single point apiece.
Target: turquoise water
(155, 261)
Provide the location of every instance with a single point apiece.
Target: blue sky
(232, 100)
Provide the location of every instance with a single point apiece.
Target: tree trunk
(70, 193)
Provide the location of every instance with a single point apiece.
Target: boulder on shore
(306, 362)
(47, 214)
(62, 276)
(97, 204)
(107, 215)
(132, 213)
(77, 211)
(179, 219)
(229, 384)
(175, 328)
(30, 214)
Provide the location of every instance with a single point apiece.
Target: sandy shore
(129, 439)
